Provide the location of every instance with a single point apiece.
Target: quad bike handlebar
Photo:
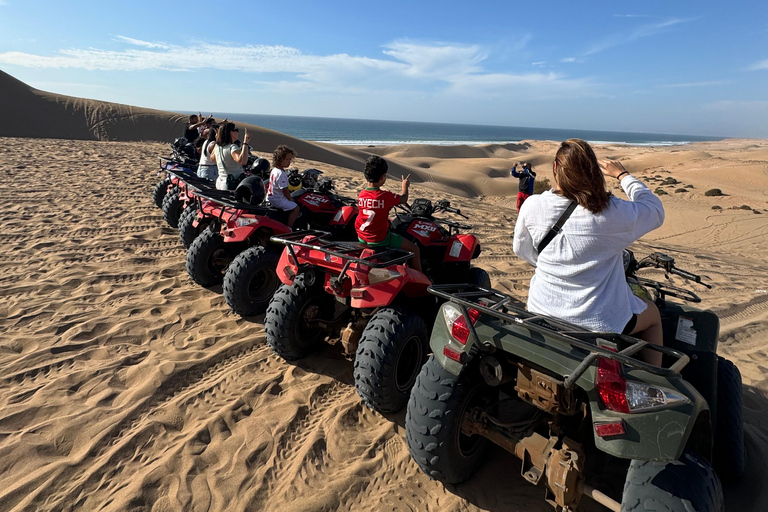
(666, 263)
(424, 208)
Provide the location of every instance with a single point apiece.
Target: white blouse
(580, 275)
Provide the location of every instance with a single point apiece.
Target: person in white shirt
(207, 168)
(229, 157)
(579, 275)
(278, 193)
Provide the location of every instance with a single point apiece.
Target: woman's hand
(247, 137)
(612, 168)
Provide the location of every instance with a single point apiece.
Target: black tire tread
(238, 276)
(197, 258)
(160, 190)
(172, 209)
(376, 357)
(432, 418)
(729, 454)
(479, 277)
(187, 231)
(688, 484)
(281, 318)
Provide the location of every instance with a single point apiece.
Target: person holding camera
(526, 177)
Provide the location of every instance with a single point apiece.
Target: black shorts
(630, 325)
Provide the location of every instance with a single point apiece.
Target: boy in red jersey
(372, 224)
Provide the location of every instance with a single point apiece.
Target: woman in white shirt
(207, 168)
(229, 158)
(580, 274)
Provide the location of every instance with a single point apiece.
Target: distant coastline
(364, 132)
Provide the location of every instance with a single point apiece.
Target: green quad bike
(571, 403)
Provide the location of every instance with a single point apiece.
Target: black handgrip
(689, 276)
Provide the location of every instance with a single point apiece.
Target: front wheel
(688, 484)
(172, 208)
(729, 457)
(160, 190)
(208, 258)
(187, 230)
(251, 280)
(479, 277)
(392, 349)
(291, 322)
(438, 402)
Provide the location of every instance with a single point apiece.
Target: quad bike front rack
(511, 311)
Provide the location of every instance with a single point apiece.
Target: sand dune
(127, 387)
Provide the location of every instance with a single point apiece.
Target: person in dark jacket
(526, 177)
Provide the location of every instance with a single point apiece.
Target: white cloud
(568, 59)
(539, 64)
(138, 42)
(405, 65)
(639, 32)
(763, 64)
(631, 16)
(3, 3)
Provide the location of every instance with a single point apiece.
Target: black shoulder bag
(556, 228)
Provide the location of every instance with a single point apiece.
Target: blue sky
(697, 68)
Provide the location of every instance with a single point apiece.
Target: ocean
(364, 132)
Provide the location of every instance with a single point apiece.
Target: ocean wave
(347, 142)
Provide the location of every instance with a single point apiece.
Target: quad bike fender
(234, 233)
(344, 216)
(462, 248)
(286, 268)
(405, 282)
(657, 435)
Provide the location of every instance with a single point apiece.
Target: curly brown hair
(280, 153)
(579, 177)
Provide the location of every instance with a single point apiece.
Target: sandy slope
(127, 387)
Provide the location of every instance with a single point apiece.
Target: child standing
(278, 193)
(372, 224)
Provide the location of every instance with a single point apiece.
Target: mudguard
(461, 248)
(232, 232)
(344, 216)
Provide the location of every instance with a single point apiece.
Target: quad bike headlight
(244, 221)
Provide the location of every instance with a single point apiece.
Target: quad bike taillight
(455, 321)
(621, 395)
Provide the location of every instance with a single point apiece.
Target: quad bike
(574, 404)
(368, 300)
(183, 158)
(235, 250)
(187, 208)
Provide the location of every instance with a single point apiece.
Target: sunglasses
(236, 130)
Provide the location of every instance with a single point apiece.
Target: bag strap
(556, 228)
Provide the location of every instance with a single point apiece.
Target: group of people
(573, 234)
(223, 157)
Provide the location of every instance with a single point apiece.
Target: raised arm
(406, 183)
(241, 156)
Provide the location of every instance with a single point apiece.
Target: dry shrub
(541, 185)
(713, 192)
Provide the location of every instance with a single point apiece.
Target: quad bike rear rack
(173, 163)
(341, 250)
(511, 311)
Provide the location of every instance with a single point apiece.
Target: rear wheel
(251, 280)
(729, 456)
(392, 349)
(688, 484)
(208, 258)
(289, 325)
(160, 190)
(172, 208)
(437, 404)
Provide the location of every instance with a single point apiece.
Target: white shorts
(281, 203)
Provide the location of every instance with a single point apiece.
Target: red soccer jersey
(372, 222)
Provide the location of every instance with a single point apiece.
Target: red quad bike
(235, 249)
(194, 217)
(320, 208)
(181, 193)
(183, 158)
(382, 307)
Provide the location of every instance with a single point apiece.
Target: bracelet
(619, 176)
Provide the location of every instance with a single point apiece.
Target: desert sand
(125, 386)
